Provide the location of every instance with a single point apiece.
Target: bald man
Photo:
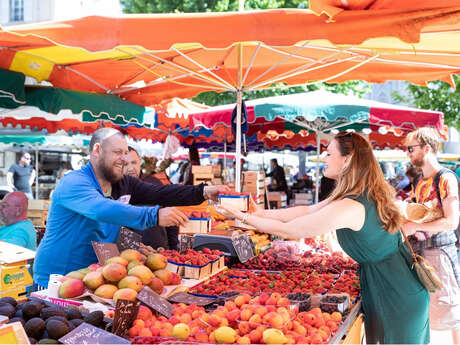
(17, 229)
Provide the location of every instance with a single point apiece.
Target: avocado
(76, 322)
(56, 329)
(48, 341)
(95, 318)
(9, 300)
(18, 313)
(17, 319)
(7, 309)
(35, 327)
(32, 340)
(31, 310)
(59, 318)
(52, 311)
(74, 314)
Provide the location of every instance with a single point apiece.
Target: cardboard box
(277, 196)
(206, 169)
(38, 204)
(253, 176)
(196, 226)
(15, 271)
(240, 202)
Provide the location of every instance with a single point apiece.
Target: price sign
(105, 251)
(183, 297)
(185, 242)
(155, 301)
(243, 247)
(89, 334)
(125, 314)
(128, 239)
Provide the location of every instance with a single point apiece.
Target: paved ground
(441, 338)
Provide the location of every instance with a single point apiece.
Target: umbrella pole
(239, 98)
(225, 157)
(318, 152)
(36, 174)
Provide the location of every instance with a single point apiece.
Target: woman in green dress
(362, 211)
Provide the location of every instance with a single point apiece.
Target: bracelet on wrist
(244, 220)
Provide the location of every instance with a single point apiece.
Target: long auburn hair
(362, 173)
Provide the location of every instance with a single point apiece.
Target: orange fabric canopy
(149, 58)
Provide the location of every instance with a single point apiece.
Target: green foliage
(185, 6)
(212, 98)
(438, 96)
(357, 88)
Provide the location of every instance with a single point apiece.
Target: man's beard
(417, 162)
(109, 174)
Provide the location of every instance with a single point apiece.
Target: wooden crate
(196, 226)
(197, 272)
(37, 217)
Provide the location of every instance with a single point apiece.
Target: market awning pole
(36, 174)
(225, 158)
(239, 101)
(318, 152)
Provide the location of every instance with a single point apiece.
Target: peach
(243, 340)
(255, 320)
(134, 331)
(244, 327)
(336, 316)
(230, 305)
(144, 313)
(139, 322)
(233, 315)
(332, 325)
(181, 331)
(145, 332)
(273, 336)
(202, 337)
(155, 331)
(255, 336)
(225, 335)
(275, 321)
(245, 314)
(214, 320)
(283, 302)
(261, 311)
(263, 298)
(240, 300)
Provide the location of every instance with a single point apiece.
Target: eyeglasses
(410, 148)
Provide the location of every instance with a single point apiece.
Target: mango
(133, 263)
(142, 272)
(75, 275)
(106, 291)
(71, 288)
(128, 294)
(131, 282)
(156, 285)
(164, 275)
(156, 262)
(274, 336)
(93, 280)
(114, 272)
(225, 335)
(130, 255)
(116, 260)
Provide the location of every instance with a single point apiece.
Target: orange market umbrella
(148, 58)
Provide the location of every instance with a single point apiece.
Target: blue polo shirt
(80, 213)
(21, 233)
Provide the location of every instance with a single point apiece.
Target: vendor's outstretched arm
(288, 214)
(346, 213)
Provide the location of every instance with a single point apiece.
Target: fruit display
(45, 323)
(193, 257)
(348, 282)
(268, 319)
(197, 214)
(120, 277)
(332, 303)
(256, 282)
(282, 259)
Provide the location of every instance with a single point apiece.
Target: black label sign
(89, 334)
(183, 297)
(243, 247)
(185, 242)
(125, 314)
(128, 240)
(155, 301)
(105, 251)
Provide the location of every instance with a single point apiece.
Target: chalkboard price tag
(125, 314)
(128, 239)
(185, 242)
(89, 334)
(105, 251)
(243, 247)
(155, 301)
(183, 297)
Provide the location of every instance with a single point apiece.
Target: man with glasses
(17, 229)
(436, 239)
(20, 176)
(94, 202)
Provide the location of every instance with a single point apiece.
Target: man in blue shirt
(91, 204)
(17, 229)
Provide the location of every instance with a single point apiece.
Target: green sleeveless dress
(395, 303)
